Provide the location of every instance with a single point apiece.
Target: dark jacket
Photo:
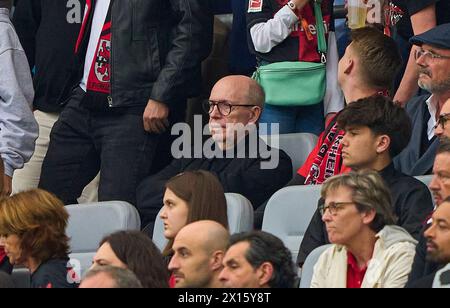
(411, 161)
(421, 267)
(157, 47)
(239, 175)
(412, 203)
(54, 274)
(49, 41)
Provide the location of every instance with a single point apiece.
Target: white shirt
(432, 108)
(98, 21)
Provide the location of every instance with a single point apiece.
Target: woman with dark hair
(192, 196)
(133, 250)
(32, 229)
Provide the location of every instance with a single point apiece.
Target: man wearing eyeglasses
(442, 128)
(234, 101)
(433, 61)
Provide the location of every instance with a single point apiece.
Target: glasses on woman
(224, 107)
(442, 120)
(333, 207)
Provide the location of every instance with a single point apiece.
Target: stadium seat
(308, 267)
(297, 146)
(240, 218)
(89, 223)
(289, 212)
(21, 278)
(426, 179)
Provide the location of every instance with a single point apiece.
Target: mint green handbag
(296, 83)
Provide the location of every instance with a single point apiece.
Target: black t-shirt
(54, 273)
(411, 7)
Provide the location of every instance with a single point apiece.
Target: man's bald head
(198, 253)
(241, 89)
(207, 234)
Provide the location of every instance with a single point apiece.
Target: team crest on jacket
(102, 61)
(255, 6)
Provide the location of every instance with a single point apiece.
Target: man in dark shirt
(374, 133)
(234, 100)
(423, 270)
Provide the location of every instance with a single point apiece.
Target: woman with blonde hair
(32, 228)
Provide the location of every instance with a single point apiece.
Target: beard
(434, 87)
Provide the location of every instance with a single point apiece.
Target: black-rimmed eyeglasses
(224, 107)
(333, 207)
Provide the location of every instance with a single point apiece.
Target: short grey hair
(369, 193)
(123, 278)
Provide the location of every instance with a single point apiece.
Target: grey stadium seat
(89, 223)
(297, 146)
(289, 212)
(240, 218)
(308, 267)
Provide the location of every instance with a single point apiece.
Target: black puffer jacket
(157, 47)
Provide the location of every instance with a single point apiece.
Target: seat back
(426, 179)
(289, 212)
(297, 146)
(240, 218)
(90, 223)
(308, 267)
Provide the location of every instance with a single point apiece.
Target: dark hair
(379, 57)
(141, 256)
(447, 200)
(382, 117)
(265, 247)
(123, 278)
(204, 195)
(39, 219)
(444, 146)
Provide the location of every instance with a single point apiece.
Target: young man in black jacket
(48, 30)
(136, 63)
(374, 133)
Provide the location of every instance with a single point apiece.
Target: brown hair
(204, 195)
(369, 193)
(39, 219)
(141, 256)
(379, 57)
(444, 146)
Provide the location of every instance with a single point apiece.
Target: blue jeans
(302, 119)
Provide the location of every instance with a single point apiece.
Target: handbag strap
(321, 40)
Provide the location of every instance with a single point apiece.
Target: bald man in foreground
(236, 102)
(198, 254)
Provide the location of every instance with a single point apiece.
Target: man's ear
(383, 144)
(255, 114)
(216, 260)
(264, 274)
(349, 66)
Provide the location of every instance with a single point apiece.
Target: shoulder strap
(322, 42)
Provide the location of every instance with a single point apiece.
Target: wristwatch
(292, 5)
